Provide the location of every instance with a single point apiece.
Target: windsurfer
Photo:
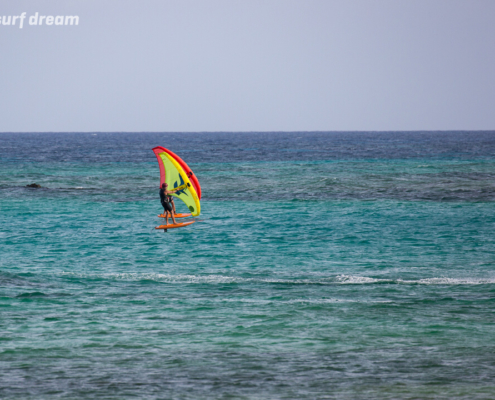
(168, 202)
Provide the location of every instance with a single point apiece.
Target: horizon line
(296, 131)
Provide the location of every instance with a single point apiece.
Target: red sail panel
(158, 150)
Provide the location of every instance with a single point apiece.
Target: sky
(249, 65)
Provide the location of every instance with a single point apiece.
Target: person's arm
(182, 187)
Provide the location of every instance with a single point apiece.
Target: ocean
(324, 265)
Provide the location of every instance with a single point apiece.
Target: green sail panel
(175, 177)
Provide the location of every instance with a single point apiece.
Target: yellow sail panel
(176, 177)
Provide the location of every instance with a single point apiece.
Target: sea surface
(324, 265)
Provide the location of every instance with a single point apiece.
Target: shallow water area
(323, 265)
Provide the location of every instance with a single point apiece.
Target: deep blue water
(339, 265)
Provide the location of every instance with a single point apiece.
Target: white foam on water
(350, 279)
(223, 279)
(175, 278)
(184, 278)
(129, 276)
(450, 281)
(321, 301)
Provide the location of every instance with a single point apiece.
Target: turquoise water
(341, 266)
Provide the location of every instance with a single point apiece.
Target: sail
(172, 173)
(185, 167)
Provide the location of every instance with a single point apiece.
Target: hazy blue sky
(232, 65)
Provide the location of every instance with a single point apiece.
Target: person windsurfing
(168, 202)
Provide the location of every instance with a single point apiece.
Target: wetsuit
(165, 200)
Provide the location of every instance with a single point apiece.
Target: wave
(225, 279)
(349, 279)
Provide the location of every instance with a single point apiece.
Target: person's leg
(169, 211)
(169, 208)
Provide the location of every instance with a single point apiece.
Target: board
(179, 215)
(178, 225)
